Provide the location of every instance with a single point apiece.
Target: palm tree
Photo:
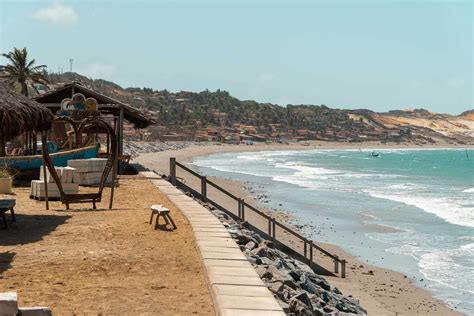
(22, 71)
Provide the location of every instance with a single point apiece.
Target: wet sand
(381, 291)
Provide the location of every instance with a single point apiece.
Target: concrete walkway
(235, 286)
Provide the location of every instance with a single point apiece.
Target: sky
(379, 55)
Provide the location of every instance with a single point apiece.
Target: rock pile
(294, 284)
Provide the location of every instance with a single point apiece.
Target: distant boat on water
(374, 154)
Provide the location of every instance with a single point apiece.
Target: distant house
(212, 131)
(249, 129)
(259, 137)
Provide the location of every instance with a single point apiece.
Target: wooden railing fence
(309, 247)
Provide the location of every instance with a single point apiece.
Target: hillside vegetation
(191, 111)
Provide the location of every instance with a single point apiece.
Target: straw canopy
(19, 114)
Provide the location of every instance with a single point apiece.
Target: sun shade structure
(19, 114)
(107, 106)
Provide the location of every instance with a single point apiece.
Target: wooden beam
(120, 133)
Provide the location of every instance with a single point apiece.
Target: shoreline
(381, 291)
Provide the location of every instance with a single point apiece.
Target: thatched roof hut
(20, 114)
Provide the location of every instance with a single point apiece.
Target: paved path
(235, 286)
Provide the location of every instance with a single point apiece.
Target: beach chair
(159, 210)
(5, 206)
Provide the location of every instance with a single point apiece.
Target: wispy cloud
(58, 14)
(97, 70)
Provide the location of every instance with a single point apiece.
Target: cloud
(97, 70)
(58, 14)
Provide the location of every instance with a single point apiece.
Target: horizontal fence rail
(243, 207)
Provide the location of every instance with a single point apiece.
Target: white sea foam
(470, 190)
(443, 267)
(449, 209)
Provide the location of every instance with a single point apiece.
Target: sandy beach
(381, 291)
(103, 262)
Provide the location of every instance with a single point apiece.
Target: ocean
(409, 210)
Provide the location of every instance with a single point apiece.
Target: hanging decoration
(79, 107)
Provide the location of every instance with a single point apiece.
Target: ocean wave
(470, 190)
(448, 209)
(452, 268)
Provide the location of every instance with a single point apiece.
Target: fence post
(304, 247)
(336, 265)
(173, 170)
(204, 188)
(311, 254)
(343, 269)
(273, 229)
(269, 226)
(243, 209)
(239, 208)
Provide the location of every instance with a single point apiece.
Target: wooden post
(239, 208)
(304, 247)
(311, 254)
(204, 188)
(44, 145)
(2, 145)
(173, 170)
(108, 144)
(336, 265)
(35, 143)
(114, 176)
(273, 229)
(120, 139)
(243, 210)
(269, 226)
(343, 269)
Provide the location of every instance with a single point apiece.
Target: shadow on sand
(30, 228)
(5, 261)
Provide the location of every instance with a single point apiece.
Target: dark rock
(301, 304)
(265, 261)
(250, 245)
(309, 280)
(243, 239)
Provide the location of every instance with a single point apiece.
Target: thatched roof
(107, 105)
(19, 114)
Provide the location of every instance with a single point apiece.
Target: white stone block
(39, 190)
(68, 175)
(88, 165)
(8, 303)
(35, 311)
(49, 177)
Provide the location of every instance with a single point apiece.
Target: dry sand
(103, 262)
(381, 291)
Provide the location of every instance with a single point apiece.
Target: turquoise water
(408, 210)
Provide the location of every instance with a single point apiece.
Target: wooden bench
(159, 210)
(5, 206)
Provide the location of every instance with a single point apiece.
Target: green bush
(4, 173)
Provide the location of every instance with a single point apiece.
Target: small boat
(30, 164)
(374, 154)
